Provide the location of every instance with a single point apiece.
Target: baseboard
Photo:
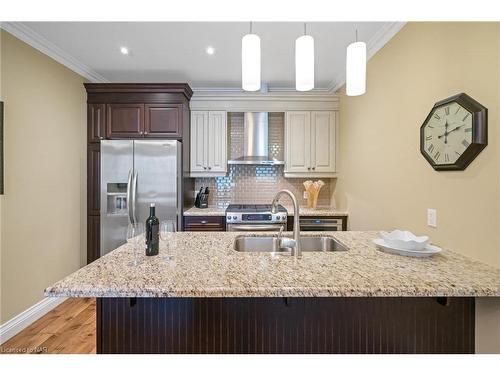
(27, 317)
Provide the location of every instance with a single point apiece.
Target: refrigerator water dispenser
(116, 198)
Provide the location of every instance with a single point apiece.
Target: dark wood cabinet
(163, 120)
(132, 111)
(96, 122)
(133, 120)
(93, 201)
(93, 179)
(125, 120)
(204, 223)
(93, 237)
(296, 325)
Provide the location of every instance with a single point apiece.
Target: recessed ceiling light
(210, 50)
(124, 50)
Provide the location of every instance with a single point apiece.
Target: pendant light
(250, 62)
(304, 62)
(356, 68)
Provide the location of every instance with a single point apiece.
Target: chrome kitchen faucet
(296, 249)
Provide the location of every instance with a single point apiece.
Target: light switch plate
(432, 217)
(305, 195)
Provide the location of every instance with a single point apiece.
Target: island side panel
(285, 325)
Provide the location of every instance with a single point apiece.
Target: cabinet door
(125, 120)
(323, 138)
(199, 141)
(163, 120)
(93, 179)
(204, 223)
(96, 118)
(217, 141)
(298, 141)
(93, 237)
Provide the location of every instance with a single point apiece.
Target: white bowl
(405, 240)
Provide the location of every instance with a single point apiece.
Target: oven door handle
(256, 228)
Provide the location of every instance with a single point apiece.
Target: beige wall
(384, 181)
(43, 231)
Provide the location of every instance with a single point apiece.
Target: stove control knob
(229, 217)
(278, 217)
(234, 217)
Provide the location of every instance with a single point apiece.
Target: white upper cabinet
(323, 141)
(310, 143)
(208, 143)
(199, 130)
(217, 141)
(298, 141)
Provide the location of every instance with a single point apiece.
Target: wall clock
(454, 133)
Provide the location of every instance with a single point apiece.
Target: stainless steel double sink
(273, 245)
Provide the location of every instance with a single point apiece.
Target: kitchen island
(213, 299)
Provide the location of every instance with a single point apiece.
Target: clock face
(447, 133)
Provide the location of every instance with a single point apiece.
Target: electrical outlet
(432, 217)
(304, 195)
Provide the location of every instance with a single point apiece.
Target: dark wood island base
(286, 325)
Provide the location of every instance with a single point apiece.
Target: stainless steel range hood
(256, 140)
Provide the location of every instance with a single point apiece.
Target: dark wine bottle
(152, 232)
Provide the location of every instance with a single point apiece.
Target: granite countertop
(318, 211)
(303, 211)
(210, 211)
(206, 265)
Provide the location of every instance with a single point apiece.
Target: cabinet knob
(308, 168)
(209, 167)
(204, 167)
(203, 222)
(101, 137)
(145, 133)
(314, 168)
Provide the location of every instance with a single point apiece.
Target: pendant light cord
(251, 27)
(356, 35)
(305, 29)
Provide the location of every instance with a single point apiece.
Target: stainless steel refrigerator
(135, 173)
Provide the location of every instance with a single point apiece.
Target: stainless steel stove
(254, 217)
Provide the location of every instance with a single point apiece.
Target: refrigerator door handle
(129, 197)
(134, 196)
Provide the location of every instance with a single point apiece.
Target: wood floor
(70, 328)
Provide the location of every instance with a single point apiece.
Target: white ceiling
(175, 51)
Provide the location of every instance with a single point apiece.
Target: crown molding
(138, 87)
(234, 90)
(376, 42)
(37, 41)
(238, 101)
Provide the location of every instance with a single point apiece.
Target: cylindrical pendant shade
(304, 63)
(250, 62)
(356, 69)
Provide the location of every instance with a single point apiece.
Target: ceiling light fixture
(250, 61)
(210, 50)
(304, 62)
(124, 50)
(356, 68)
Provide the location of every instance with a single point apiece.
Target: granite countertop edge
(206, 265)
(303, 211)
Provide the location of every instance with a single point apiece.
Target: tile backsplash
(256, 183)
